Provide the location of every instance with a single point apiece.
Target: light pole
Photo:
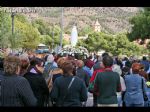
(61, 36)
(12, 16)
(52, 37)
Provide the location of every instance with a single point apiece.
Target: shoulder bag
(67, 91)
(144, 93)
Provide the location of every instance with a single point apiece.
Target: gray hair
(24, 57)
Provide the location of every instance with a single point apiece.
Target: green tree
(141, 25)
(46, 39)
(15, 41)
(29, 36)
(115, 44)
(126, 47)
(42, 27)
(5, 29)
(85, 31)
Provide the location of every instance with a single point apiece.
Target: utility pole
(53, 38)
(61, 36)
(12, 16)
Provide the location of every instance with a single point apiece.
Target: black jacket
(16, 91)
(82, 74)
(76, 94)
(39, 87)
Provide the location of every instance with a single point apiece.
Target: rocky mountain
(111, 19)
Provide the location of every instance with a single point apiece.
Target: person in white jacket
(116, 68)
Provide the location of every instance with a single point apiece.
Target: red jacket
(94, 74)
(93, 78)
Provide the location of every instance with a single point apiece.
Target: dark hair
(125, 71)
(67, 67)
(45, 59)
(53, 53)
(90, 57)
(144, 57)
(128, 64)
(24, 64)
(77, 56)
(107, 61)
(36, 61)
(105, 54)
(1, 63)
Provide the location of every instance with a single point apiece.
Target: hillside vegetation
(112, 19)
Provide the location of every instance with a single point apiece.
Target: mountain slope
(112, 19)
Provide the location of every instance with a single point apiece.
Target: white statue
(74, 36)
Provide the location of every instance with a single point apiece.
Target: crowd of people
(65, 81)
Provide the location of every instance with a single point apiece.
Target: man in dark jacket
(107, 83)
(15, 91)
(98, 67)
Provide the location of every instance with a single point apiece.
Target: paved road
(89, 102)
